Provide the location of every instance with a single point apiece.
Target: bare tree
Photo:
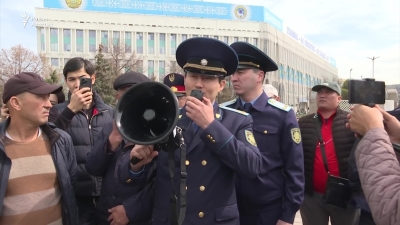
(121, 58)
(19, 59)
(173, 67)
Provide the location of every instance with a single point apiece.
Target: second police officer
(219, 143)
(176, 82)
(274, 197)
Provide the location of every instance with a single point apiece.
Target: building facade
(152, 32)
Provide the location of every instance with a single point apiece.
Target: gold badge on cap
(174, 89)
(171, 77)
(296, 135)
(250, 137)
(204, 62)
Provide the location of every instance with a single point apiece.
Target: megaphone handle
(135, 161)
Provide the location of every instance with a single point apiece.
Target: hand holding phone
(85, 82)
(81, 99)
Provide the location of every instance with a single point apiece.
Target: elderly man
(271, 91)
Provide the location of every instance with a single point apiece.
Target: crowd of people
(249, 161)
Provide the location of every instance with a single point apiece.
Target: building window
(104, 40)
(53, 39)
(226, 40)
(92, 41)
(92, 61)
(161, 68)
(216, 37)
(79, 40)
(150, 68)
(162, 44)
(65, 60)
(67, 40)
(139, 65)
(128, 42)
(42, 43)
(173, 44)
(54, 62)
(246, 39)
(194, 35)
(116, 39)
(150, 43)
(235, 39)
(206, 36)
(255, 42)
(139, 43)
(184, 37)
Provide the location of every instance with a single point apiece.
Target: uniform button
(202, 188)
(186, 188)
(213, 141)
(265, 131)
(187, 162)
(201, 214)
(208, 136)
(204, 162)
(129, 180)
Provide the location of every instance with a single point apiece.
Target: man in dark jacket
(117, 200)
(83, 117)
(37, 160)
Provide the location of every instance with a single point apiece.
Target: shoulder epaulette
(234, 110)
(279, 105)
(228, 102)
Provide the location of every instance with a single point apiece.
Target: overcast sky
(348, 31)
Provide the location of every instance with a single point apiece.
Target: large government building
(152, 30)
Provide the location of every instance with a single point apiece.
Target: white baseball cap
(270, 90)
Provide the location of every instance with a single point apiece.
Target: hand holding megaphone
(144, 153)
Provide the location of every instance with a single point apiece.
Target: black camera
(367, 92)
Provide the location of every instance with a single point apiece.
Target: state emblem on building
(73, 4)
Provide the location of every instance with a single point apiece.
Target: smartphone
(85, 82)
(197, 94)
(367, 91)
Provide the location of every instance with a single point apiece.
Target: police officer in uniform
(176, 82)
(219, 144)
(274, 197)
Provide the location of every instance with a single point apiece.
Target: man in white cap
(271, 91)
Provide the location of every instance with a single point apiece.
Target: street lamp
(373, 59)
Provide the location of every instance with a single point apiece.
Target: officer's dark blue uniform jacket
(281, 181)
(213, 156)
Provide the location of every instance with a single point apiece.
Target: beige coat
(379, 171)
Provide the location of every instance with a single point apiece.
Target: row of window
(153, 40)
(285, 73)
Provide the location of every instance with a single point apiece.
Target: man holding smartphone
(219, 145)
(82, 117)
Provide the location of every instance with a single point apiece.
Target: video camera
(367, 92)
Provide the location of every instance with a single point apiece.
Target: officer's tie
(247, 107)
